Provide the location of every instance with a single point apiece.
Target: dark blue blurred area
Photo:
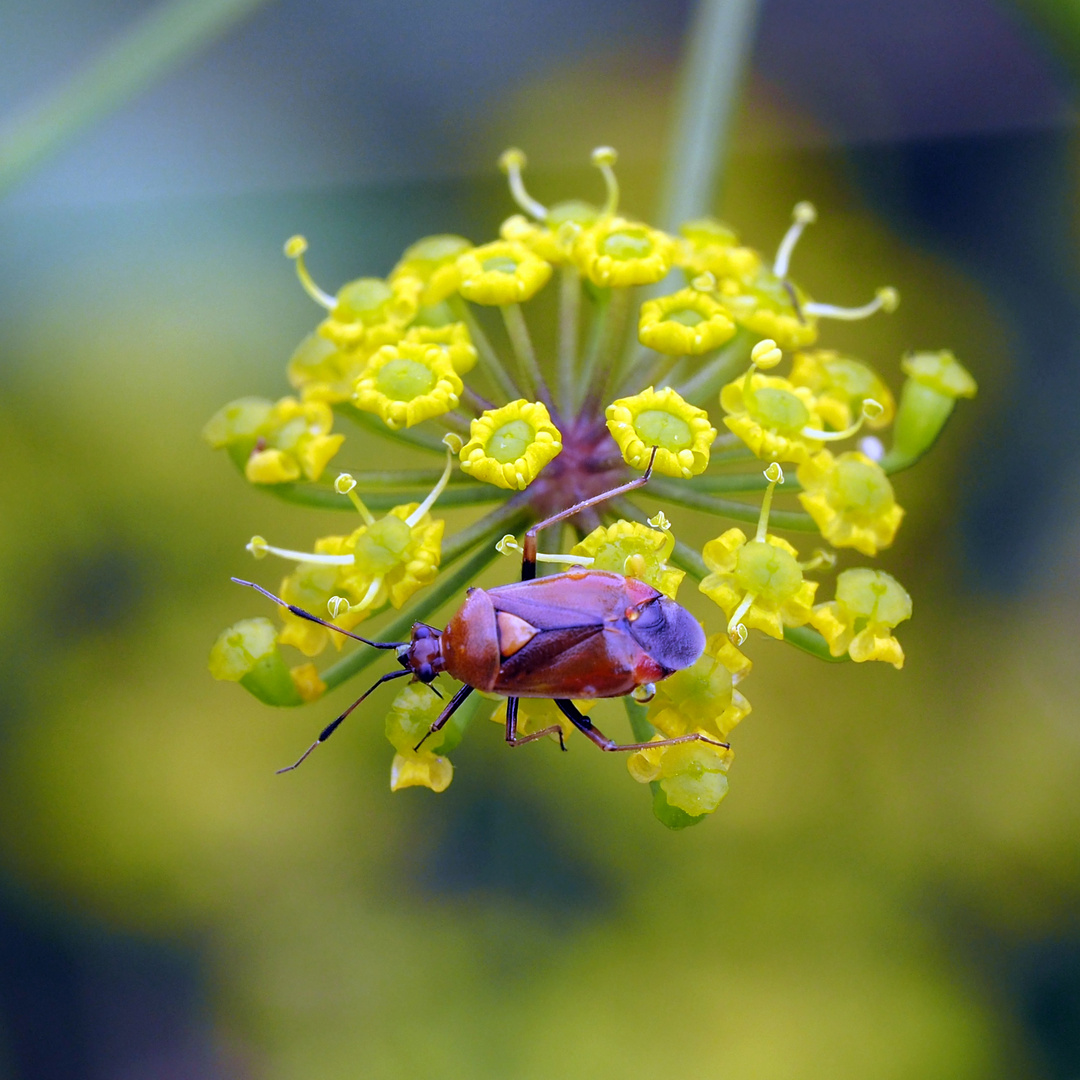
(79, 1000)
(1002, 208)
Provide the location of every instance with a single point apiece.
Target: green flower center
(701, 693)
(380, 547)
(405, 380)
(362, 300)
(770, 572)
(859, 489)
(509, 442)
(658, 428)
(436, 250)
(580, 213)
(873, 596)
(501, 264)
(627, 244)
(778, 410)
(685, 316)
(856, 381)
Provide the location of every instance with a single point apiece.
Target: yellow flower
(707, 246)
(372, 312)
(323, 371)
(453, 338)
(693, 775)
(940, 371)
(843, 384)
(433, 262)
(615, 252)
(552, 239)
(410, 718)
(686, 323)
(661, 418)
(762, 303)
(507, 447)
(391, 560)
(703, 697)
(772, 420)
(310, 587)
(408, 383)
(759, 583)
(275, 443)
(851, 500)
(501, 273)
(868, 604)
(635, 550)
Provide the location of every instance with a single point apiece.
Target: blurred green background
(890, 890)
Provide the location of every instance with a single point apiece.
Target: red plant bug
(580, 634)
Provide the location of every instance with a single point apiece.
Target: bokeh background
(891, 889)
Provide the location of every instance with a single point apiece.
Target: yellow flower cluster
(634, 371)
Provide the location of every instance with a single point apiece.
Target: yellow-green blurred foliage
(534, 921)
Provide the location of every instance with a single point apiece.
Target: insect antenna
(301, 613)
(335, 724)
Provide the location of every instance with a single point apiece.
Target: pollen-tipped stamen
(604, 158)
(260, 549)
(295, 247)
(886, 299)
(775, 475)
(512, 162)
(804, 214)
(508, 545)
(870, 410)
(453, 446)
(736, 629)
(346, 485)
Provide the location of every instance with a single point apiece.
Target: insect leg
(512, 736)
(301, 613)
(452, 707)
(528, 558)
(585, 726)
(335, 724)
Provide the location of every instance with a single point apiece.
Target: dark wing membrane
(574, 662)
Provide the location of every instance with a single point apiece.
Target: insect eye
(422, 632)
(425, 673)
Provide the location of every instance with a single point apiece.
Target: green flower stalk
(634, 377)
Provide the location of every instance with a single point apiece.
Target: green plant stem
(718, 47)
(370, 422)
(326, 498)
(594, 347)
(793, 520)
(712, 484)
(518, 332)
(507, 517)
(705, 383)
(146, 51)
(398, 629)
(569, 323)
(488, 357)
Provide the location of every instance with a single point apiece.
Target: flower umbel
(574, 416)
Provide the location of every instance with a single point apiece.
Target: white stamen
(295, 247)
(659, 521)
(604, 157)
(509, 546)
(260, 548)
(887, 299)
(453, 445)
(512, 162)
(803, 214)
